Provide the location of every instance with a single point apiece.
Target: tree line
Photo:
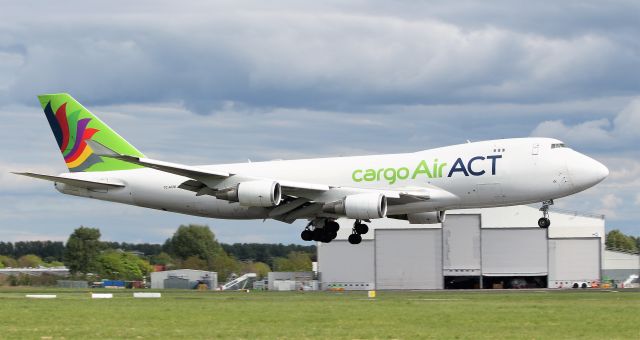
(53, 251)
(191, 247)
(616, 240)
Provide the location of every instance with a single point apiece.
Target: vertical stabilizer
(72, 124)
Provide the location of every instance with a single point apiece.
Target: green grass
(297, 315)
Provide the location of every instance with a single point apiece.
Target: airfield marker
(41, 296)
(147, 295)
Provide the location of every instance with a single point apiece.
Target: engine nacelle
(427, 217)
(359, 206)
(253, 193)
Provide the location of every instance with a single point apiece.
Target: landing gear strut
(323, 231)
(544, 222)
(359, 229)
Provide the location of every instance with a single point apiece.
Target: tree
(114, 264)
(164, 259)
(198, 241)
(6, 248)
(8, 261)
(195, 240)
(82, 250)
(294, 262)
(260, 268)
(617, 240)
(266, 253)
(195, 262)
(30, 260)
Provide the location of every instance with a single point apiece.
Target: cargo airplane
(417, 186)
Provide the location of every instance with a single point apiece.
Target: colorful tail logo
(71, 134)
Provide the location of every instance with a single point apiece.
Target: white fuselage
(482, 174)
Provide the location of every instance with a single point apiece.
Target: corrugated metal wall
(574, 260)
(461, 245)
(408, 259)
(514, 252)
(344, 263)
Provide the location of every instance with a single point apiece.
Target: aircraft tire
(544, 223)
(318, 235)
(306, 235)
(355, 238)
(332, 226)
(361, 228)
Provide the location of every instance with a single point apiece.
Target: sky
(204, 82)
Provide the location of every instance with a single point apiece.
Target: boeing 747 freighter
(417, 186)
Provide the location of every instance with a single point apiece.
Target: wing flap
(81, 183)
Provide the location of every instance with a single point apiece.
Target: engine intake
(359, 206)
(253, 194)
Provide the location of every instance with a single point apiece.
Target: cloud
(288, 79)
(601, 133)
(329, 56)
(637, 202)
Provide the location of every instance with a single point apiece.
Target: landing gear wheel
(361, 228)
(544, 223)
(318, 235)
(306, 235)
(326, 236)
(355, 239)
(332, 226)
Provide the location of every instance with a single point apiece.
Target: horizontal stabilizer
(81, 183)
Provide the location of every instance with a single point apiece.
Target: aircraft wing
(81, 183)
(177, 169)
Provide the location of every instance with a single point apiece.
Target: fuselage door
(535, 149)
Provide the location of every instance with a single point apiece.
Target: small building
(59, 271)
(475, 248)
(620, 266)
(284, 281)
(183, 279)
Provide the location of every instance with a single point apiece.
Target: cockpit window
(558, 145)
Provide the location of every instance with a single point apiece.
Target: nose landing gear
(544, 222)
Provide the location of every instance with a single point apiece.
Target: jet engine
(359, 206)
(253, 193)
(427, 217)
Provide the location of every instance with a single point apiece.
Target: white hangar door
(461, 245)
(346, 265)
(408, 258)
(574, 260)
(514, 252)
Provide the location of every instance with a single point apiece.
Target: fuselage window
(558, 145)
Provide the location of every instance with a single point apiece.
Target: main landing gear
(359, 229)
(321, 232)
(544, 221)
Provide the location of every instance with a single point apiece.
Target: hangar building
(183, 279)
(476, 248)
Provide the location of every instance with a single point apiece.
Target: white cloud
(622, 131)
(311, 55)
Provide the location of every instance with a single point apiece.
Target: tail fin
(72, 125)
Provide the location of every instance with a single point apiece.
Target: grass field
(296, 315)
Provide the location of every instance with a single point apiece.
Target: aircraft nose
(586, 172)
